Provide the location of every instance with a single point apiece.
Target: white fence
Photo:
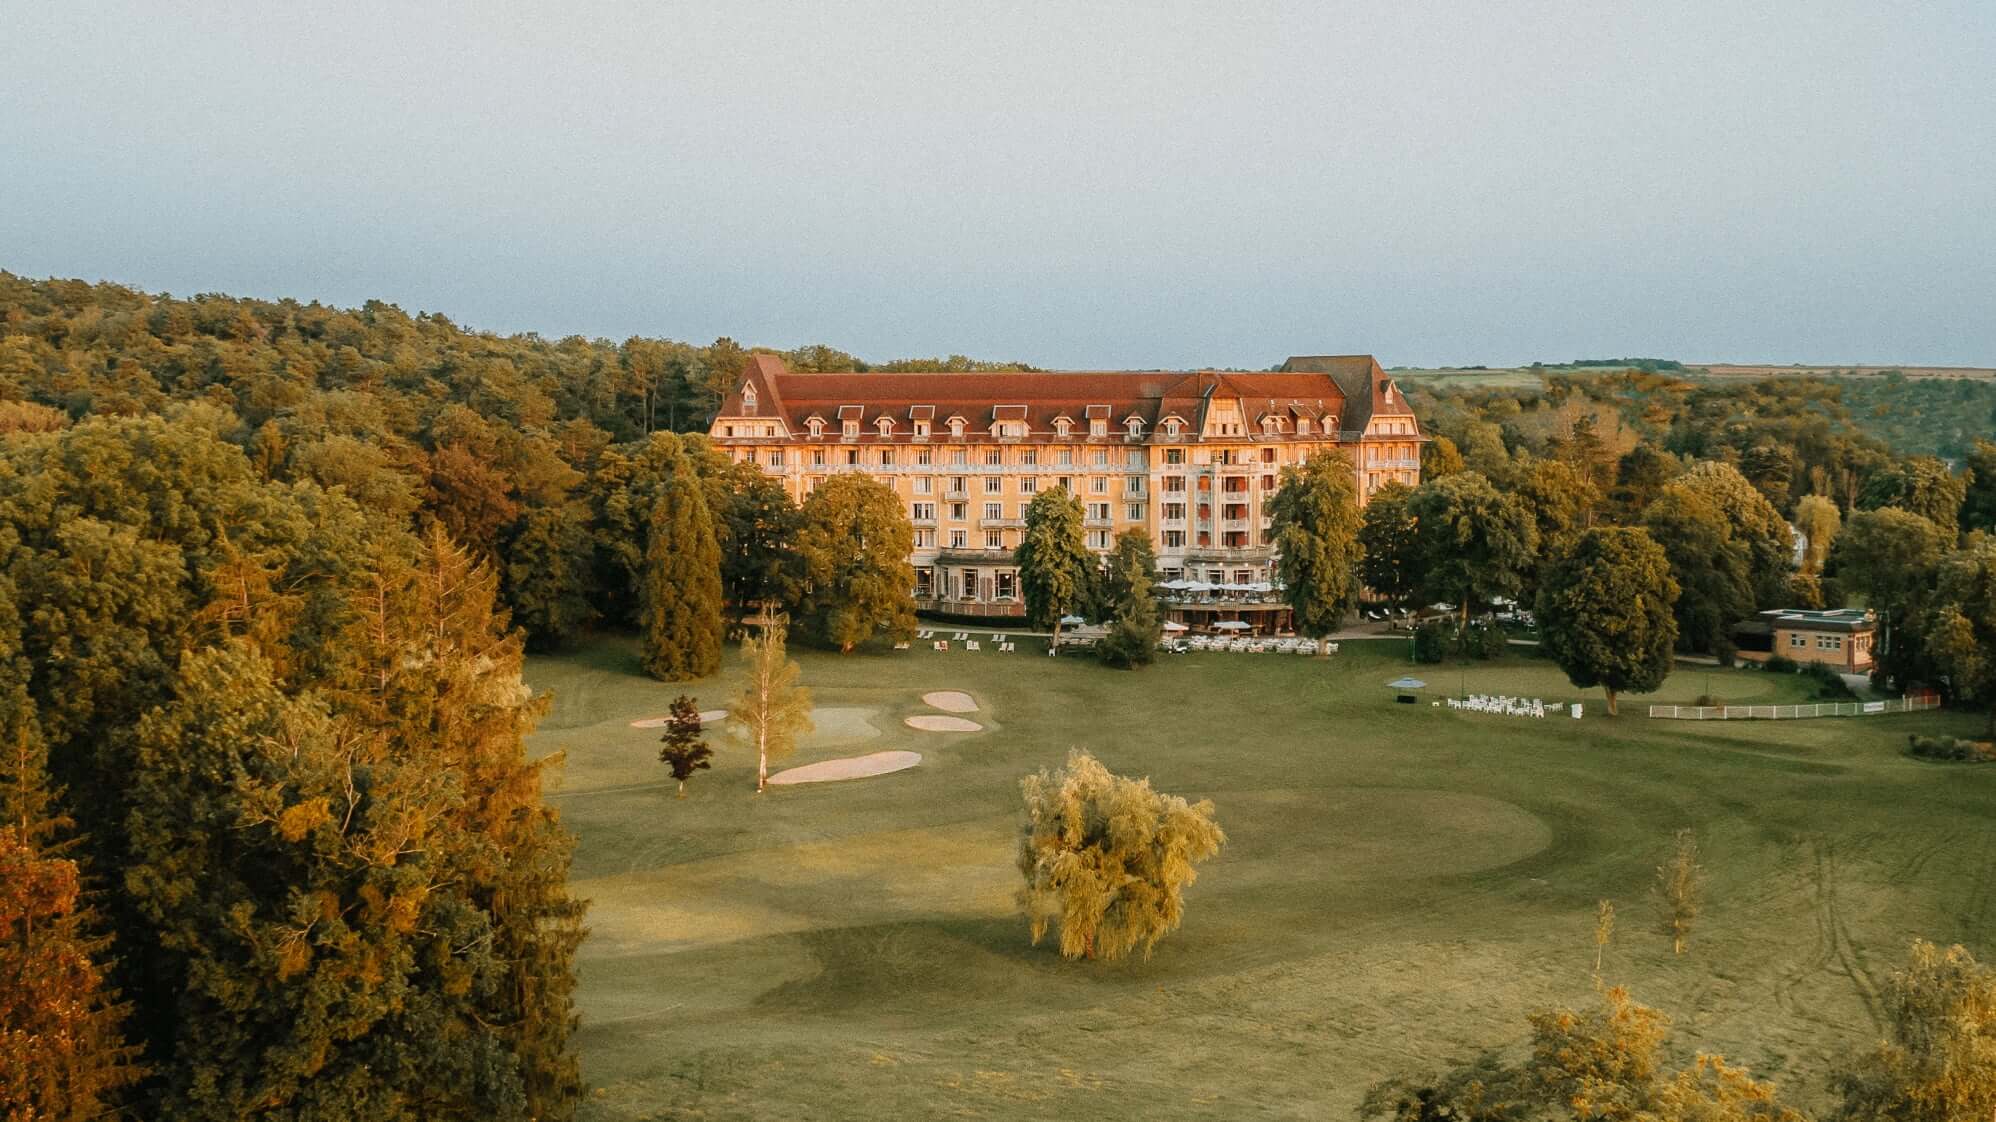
(1793, 712)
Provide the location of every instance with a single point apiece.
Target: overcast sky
(1092, 184)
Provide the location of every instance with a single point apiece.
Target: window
(1008, 584)
(850, 430)
(994, 457)
(925, 582)
(994, 484)
(994, 511)
(1098, 512)
(1174, 484)
(1061, 425)
(1174, 456)
(994, 539)
(958, 511)
(921, 430)
(1795, 640)
(1174, 512)
(959, 538)
(1136, 426)
(924, 512)
(1133, 484)
(924, 539)
(1268, 483)
(1098, 427)
(885, 425)
(817, 427)
(959, 456)
(924, 484)
(956, 426)
(1271, 425)
(1064, 457)
(817, 457)
(1029, 457)
(887, 457)
(967, 588)
(1303, 426)
(1029, 485)
(1171, 427)
(1136, 512)
(776, 457)
(1098, 539)
(1101, 457)
(960, 484)
(727, 430)
(1135, 459)
(1174, 539)
(1098, 484)
(852, 457)
(748, 400)
(1066, 483)
(1268, 455)
(923, 457)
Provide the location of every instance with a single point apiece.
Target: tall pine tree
(679, 593)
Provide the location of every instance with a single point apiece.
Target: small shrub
(1830, 685)
(1487, 640)
(1949, 748)
(1781, 664)
(1430, 642)
(1707, 701)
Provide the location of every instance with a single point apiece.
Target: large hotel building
(1189, 458)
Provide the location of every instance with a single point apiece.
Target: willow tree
(1314, 525)
(772, 710)
(1107, 859)
(854, 543)
(1605, 611)
(1053, 559)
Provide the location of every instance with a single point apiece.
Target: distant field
(1524, 376)
(1400, 886)
(1726, 370)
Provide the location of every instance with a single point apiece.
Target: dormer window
(1271, 425)
(850, 429)
(1302, 426)
(748, 400)
(921, 430)
(1135, 426)
(956, 426)
(817, 427)
(885, 425)
(1171, 427)
(1061, 425)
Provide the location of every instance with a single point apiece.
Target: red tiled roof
(1319, 387)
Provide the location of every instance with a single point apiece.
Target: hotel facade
(1191, 459)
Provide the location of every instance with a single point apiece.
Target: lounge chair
(972, 645)
(942, 644)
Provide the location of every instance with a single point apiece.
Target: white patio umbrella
(1070, 621)
(1174, 625)
(1230, 625)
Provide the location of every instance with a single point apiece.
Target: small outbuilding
(1841, 639)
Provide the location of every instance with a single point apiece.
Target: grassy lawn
(1400, 886)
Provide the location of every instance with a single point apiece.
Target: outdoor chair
(942, 644)
(971, 645)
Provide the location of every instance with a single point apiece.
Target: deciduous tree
(1817, 520)
(1134, 628)
(1107, 859)
(1476, 544)
(854, 545)
(1961, 627)
(772, 709)
(1053, 559)
(1605, 611)
(1922, 485)
(1713, 574)
(1938, 1063)
(1680, 887)
(1314, 525)
(1389, 549)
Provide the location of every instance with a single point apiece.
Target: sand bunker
(856, 767)
(951, 701)
(943, 724)
(707, 717)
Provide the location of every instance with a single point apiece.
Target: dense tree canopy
(854, 545)
(1314, 525)
(1053, 559)
(1605, 611)
(1475, 543)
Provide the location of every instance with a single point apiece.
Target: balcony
(1001, 523)
(1098, 523)
(1226, 555)
(968, 553)
(956, 496)
(1392, 464)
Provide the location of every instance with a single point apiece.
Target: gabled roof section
(760, 371)
(1362, 381)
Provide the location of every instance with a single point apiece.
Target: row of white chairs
(1507, 706)
(960, 637)
(968, 645)
(1257, 646)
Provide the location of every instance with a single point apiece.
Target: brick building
(1840, 639)
(1189, 458)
